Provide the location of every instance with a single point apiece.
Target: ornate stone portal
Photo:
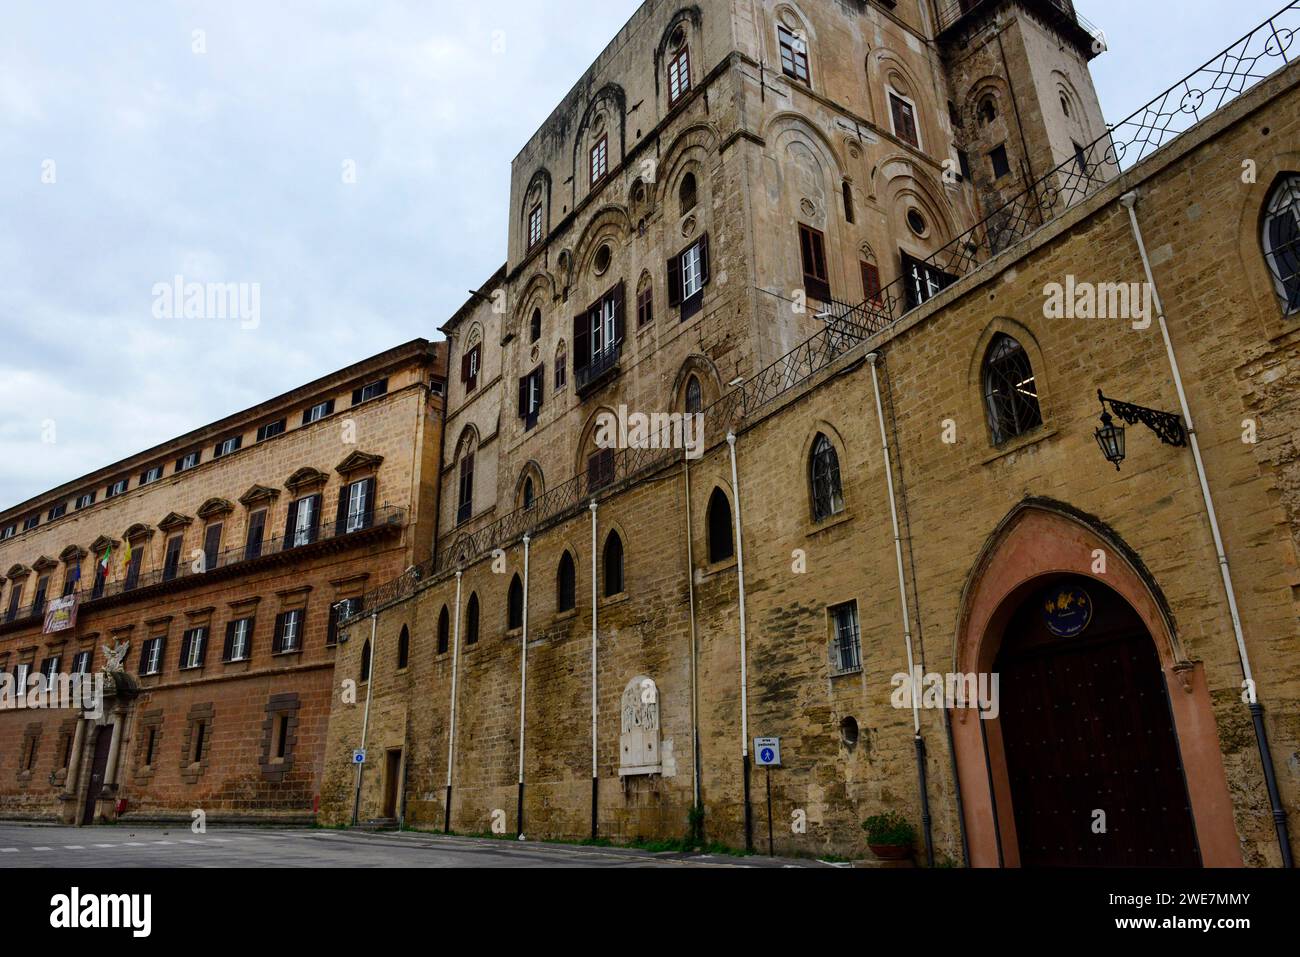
(639, 740)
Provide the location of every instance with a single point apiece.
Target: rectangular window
(963, 162)
(9, 532)
(81, 663)
(281, 735)
(49, 668)
(371, 391)
(465, 496)
(22, 671)
(318, 412)
(226, 446)
(599, 160)
(530, 396)
(794, 54)
(688, 274)
(561, 371)
(339, 611)
(256, 532)
(812, 250)
(172, 558)
(870, 283)
(149, 747)
(679, 75)
(305, 519)
(924, 281)
(1001, 164)
(535, 226)
(645, 307)
(289, 631)
(57, 511)
(360, 505)
(42, 589)
(200, 732)
(152, 475)
(239, 640)
(270, 430)
(212, 547)
(192, 648)
(186, 462)
(151, 656)
(32, 522)
(469, 367)
(903, 114)
(846, 642)
(116, 489)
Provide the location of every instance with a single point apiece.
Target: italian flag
(103, 562)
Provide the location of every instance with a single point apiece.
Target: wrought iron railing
(1186, 103)
(953, 11)
(601, 364)
(387, 516)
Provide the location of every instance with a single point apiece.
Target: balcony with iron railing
(1184, 105)
(603, 366)
(1061, 14)
(229, 561)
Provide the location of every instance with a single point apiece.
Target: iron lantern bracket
(1168, 426)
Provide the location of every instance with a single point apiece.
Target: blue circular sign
(1067, 611)
(767, 754)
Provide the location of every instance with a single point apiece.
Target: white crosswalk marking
(73, 847)
(187, 841)
(105, 845)
(8, 850)
(164, 842)
(134, 844)
(40, 848)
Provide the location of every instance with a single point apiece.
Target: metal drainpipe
(365, 718)
(1129, 201)
(595, 780)
(744, 673)
(690, 591)
(451, 729)
(523, 699)
(918, 741)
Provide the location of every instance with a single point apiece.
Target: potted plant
(890, 836)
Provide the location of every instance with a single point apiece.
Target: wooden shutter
(185, 647)
(289, 525)
(202, 638)
(581, 342)
(675, 281)
(229, 648)
(620, 310)
(356, 396)
(870, 282)
(704, 259)
(464, 367)
(277, 643)
(370, 502)
(523, 394)
(341, 516)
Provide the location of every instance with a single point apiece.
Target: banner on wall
(60, 614)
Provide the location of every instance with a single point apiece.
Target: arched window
(694, 395)
(365, 661)
(988, 110)
(1282, 239)
(827, 492)
(403, 648)
(1065, 105)
(721, 540)
(471, 620)
(528, 493)
(535, 326)
(613, 565)
(1010, 392)
(515, 604)
(688, 193)
(561, 367)
(679, 67)
(444, 629)
(566, 584)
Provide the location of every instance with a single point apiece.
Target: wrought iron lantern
(1167, 426)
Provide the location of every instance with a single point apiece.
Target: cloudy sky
(133, 150)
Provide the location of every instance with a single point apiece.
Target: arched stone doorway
(1093, 766)
(1134, 655)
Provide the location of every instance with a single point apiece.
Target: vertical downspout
(365, 718)
(744, 673)
(690, 591)
(918, 741)
(1129, 201)
(595, 780)
(523, 699)
(451, 727)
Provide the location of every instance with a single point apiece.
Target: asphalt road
(121, 846)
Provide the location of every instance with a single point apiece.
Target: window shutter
(464, 367)
(356, 396)
(581, 342)
(523, 394)
(277, 644)
(306, 415)
(229, 648)
(704, 259)
(620, 311)
(540, 373)
(332, 631)
(179, 463)
(185, 648)
(202, 638)
(288, 528)
(370, 501)
(341, 516)
(675, 281)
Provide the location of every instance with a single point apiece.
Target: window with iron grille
(846, 642)
(903, 114)
(679, 75)
(794, 54)
(1282, 240)
(1010, 390)
(827, 493)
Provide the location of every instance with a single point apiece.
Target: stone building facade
(910, 482)
(209, 567)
